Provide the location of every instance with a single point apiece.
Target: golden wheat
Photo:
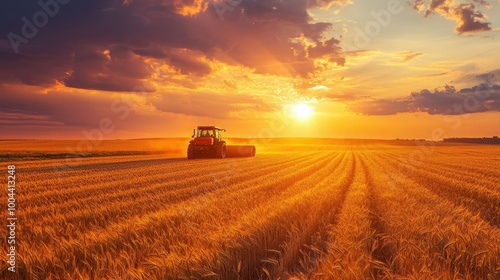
(335, 210)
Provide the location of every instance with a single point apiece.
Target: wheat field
(308, 210)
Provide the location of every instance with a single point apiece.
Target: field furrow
(485, 179)
(474, 197)
(433, 237)
(307, 233)
(358, 247)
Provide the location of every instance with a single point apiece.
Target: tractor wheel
(221, 151)
(190, 152)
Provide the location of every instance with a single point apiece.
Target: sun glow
(302, 111)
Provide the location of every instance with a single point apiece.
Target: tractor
(207, 142)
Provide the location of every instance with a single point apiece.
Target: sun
(302, 111)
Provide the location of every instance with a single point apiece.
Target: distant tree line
(484, 140)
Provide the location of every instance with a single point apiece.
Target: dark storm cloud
(111, 70)
(69, 108)
(446, 101)
(70, 46)
(79, 109)
(188, 64)
(40, 69)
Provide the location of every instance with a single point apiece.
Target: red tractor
(207, 142)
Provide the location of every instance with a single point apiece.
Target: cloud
(117, 69)
(419, 5)
(23, 106)
(187, 35)
(42, 69)
(68, 108)
(231, 84)
(490, 78)
(468, 18)
(212, 105)
(442, 6)
(64, 114)
(325, 4)
(434, 75)
(407, 56)
(445, 101)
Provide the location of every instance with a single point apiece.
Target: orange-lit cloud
(325, 4)
(468, 18)
(407, 56)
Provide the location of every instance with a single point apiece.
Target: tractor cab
(207, 135)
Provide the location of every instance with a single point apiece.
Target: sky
(112, 69)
